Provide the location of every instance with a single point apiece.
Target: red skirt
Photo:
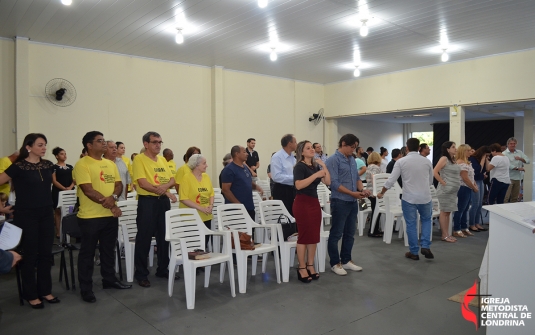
(307, 214)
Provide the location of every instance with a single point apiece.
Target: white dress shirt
(282, 168)
(416, 173)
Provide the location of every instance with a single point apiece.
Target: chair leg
(171, 278)
(72, 270)
(63, 268)
(231, 277)
(277, 266)
(254, 260)
(264, 261)
(241, 259)
(19, 284)
(189, 282)
(285, 261)
(151, 256)
(389, 226)
(207, 270)
(118, 260)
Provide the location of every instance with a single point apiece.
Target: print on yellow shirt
(156, 173)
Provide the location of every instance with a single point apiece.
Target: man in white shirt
(517, 160)
(282, 172)
(416, 172)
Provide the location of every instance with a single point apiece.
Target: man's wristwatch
(115, 197)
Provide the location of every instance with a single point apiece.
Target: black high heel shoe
(51, 301)
(36, 306)
(305, 280)
(314, 276)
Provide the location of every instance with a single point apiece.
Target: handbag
(362, 205)
(246, 241)
(288, 227)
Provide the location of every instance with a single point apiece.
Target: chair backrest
(235, 217)
(127, 221)
(217, 190)
(379, 181)
(270, 211)
(264, 184)
(256, 200)
(184, 223)
(66, 199)
(218, 200)
(69, 226)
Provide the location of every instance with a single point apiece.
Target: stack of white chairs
(390, 205)
(217, 190)
(259, 233)
(264, 184)
(65, 200)
(324, 196)
(216, 240)
(236, 218)
(131, 195)
(363, 217)
(186, 232)
(128, 231)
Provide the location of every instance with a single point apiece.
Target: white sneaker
(351, 266)
(339, 270)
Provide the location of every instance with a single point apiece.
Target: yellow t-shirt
(197, 191)
(4, 164)
(180, 172)
(102, 175)
(156, 173)
(172, 167)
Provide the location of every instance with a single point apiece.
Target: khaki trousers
(512, 192)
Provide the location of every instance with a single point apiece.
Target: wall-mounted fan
(60, 92)
(316, 117)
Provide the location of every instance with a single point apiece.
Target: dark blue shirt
(242, 184)
(478, 174)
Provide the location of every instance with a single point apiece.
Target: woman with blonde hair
(374, 167)
(306, 207)
(464, 195)
(447, 173)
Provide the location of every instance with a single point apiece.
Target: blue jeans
(497, 191)
(459, 218)
(477, 203)
(409, 214)
(344, 226)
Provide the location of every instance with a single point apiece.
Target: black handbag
(288, 227)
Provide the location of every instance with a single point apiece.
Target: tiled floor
(392, 295)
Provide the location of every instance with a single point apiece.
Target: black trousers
(377, 229)
(151, 222)
(102, 231)
(37, 226)
(286, 194)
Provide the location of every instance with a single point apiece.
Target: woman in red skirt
(308, 173)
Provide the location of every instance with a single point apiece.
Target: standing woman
(121, 149)
(479, 164)
(181, 171)
(374, 160)
(306, 207)
(31, 177)
(384, 161)
(464, 195)
(62, 181)
(448, 175)
(499, 174)
(196, 190)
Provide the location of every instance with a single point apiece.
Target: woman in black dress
(306, 207)
(62, 181)
(31, 177)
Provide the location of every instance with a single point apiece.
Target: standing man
(396, 155)
(5, 162)
(99, 187)
(154, 178)
(517, 160)
(112, 155)
(346, 188)
(319, 152)
(236, 181)
(282, 167)
(417, 174)
(424, 150)
(253, 161)
(168, 155)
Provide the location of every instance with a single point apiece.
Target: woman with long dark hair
(31, 176)
(448, 175)
(384, 161)
(479, 164)
(499, 174)
(306, 207)
(61, 181)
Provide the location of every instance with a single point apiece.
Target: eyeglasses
(156, 142)
(100, 140)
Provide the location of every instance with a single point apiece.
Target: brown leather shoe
(144, 283)
(411, 256)
(427, 253)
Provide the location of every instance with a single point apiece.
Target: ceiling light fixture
(445, 57)
(364, 28)
(262, 3)
(273, 55)
(179, 38)
(356, 73)
(66, 2)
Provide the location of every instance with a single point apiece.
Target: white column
(457, 124)
(22, 88)
(528, 150)
(218, 125)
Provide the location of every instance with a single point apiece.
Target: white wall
(7, 97)
(372, 133)
(421, 127)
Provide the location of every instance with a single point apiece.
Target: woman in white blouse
(374, 162)
(384, 161)
(464, 194)
(499, 174)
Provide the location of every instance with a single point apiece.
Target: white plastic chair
(174, 205)
(216, 240)
(186, 232)
(270, 211)
(363, 216)
(324, 195)
(217, 190)
(264, 184)
(321, 250)
(131, 195)
(236, 218)
(128, 229)
(65, 199)
(390, 205)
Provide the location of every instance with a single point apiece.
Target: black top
(32, 183)
(389, 169)
(63, 174)
(478, 173)
(252, 159)
(303, 171)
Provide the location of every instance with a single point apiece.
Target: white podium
(509, 262)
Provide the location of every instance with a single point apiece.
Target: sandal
(314, 276)
(459, 234)
(481, 228)
(467, 232)
(473, 229)
(305, 280)
(449, 239)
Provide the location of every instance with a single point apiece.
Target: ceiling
(316, 38)
(480, 112)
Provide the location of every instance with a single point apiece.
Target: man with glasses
(99, 186)
(346, 188)
(154, 178)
